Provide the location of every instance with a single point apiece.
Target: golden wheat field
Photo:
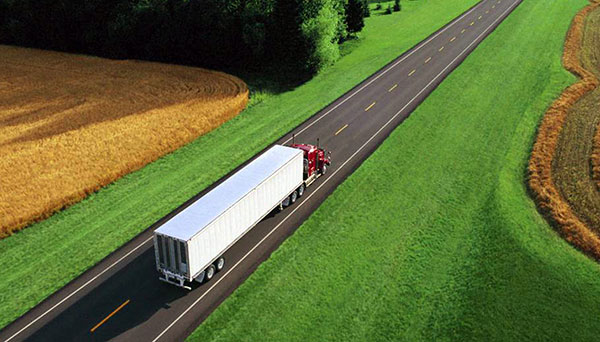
(70, 124)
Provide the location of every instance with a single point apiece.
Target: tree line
(296, 35)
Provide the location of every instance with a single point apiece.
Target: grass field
(68, 243)
(71, 124)
(434, 237)
(571, 167)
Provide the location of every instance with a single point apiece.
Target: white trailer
(190, 245)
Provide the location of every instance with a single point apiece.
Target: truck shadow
(144, 303)
(136, 283)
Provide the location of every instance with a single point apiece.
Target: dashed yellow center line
(488, 11)
(440, 49)
(463, 31)
(109, 316)
(453, 39)
(480, 17)
(370, 106)
(471, 24)
(493, 6)
(427, 60)
(392, 88)
(341, 129)
(412, 72)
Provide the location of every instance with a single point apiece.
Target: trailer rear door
(172, 254)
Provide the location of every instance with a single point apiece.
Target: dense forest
(301, 36)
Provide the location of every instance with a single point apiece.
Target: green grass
(41, 259)
(434, 237)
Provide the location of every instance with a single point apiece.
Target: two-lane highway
(122, 299)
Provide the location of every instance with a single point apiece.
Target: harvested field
(596, 158)
(542, 181)
(571, 168)
(71, 124)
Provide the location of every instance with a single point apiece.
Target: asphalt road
(122, 299)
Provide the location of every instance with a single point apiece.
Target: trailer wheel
(286, 202)
(210, 272)
(220, 264)
(293, 197)
(301, 190)
(200, 277)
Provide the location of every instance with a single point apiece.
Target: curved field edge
(40, 260)
(547, 197)
(435, 236)
(572, 172)
(96, 121)
(595, 159)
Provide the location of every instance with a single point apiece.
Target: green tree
(355, 11)
(342, 27)
(319, 33)
(303, 34)
(388, 10)
(367, 11)
(397, 6)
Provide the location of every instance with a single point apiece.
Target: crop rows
(596, 157)
(70, 124)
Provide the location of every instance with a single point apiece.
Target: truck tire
(293, 197)
(210, 272)
(200, 277)
(220, 264)
(324, 169)
(301, 190)
(286, 202)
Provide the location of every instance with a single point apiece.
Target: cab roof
(304, 147)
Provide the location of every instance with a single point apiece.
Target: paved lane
(122, 299)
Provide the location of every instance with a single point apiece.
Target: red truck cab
(316, 161)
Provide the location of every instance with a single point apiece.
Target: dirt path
(70, 124)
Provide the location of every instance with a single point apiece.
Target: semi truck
(190, 246)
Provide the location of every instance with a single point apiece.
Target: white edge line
(333, 174)
(82, 286)
(419, 46)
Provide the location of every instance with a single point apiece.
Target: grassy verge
(39, 260)
(434, 237)
(571, 167)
